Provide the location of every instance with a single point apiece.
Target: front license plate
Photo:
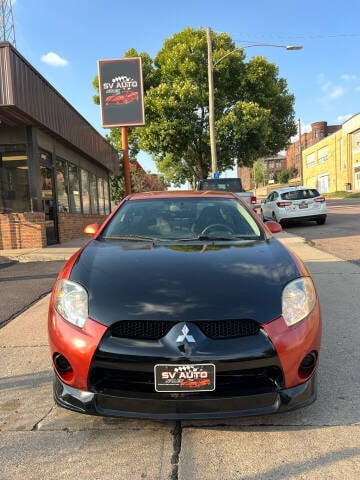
(198, 377)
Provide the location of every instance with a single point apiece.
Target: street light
(211, 66)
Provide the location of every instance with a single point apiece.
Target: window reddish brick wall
(22, 230)
(71, 225)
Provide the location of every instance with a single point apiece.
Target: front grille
(141, 329)
(156, 329)
(232, 382)
(222, 329)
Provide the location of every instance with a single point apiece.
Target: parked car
(184, 305)
(294, 204)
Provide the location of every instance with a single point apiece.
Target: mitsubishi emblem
(185, 336)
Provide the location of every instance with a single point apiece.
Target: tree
(259, 174)
(285, 175)
(254, 114)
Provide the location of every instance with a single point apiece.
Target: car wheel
(321, 221)
(274, 217)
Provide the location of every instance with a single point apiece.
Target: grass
(342, 194)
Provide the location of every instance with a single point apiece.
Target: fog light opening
(308, 364)
(63, 367)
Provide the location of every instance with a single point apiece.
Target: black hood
(184, 282)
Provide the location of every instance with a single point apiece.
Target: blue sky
(64, 40)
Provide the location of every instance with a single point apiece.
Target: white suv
(294, 204)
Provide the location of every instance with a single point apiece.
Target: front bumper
(201, 406)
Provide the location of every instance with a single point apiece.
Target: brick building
(54, 166)
(271, 166)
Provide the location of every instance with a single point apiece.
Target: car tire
(321, 220)
(274, 217)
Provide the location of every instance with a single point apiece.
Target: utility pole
(7, 30)
(211, 65)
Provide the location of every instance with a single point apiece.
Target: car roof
(292, 188)
(182, 194)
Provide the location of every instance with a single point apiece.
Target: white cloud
(343, 118)
(335, 91)
(330, 90)
(348, 77)
(54, 60)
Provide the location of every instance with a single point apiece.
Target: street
(23, 284)
(321, 441)
(341, 233)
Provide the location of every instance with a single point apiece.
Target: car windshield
(183, 219)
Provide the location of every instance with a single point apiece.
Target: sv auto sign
(121, 92)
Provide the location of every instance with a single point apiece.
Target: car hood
(184, 282)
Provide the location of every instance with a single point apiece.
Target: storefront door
(357, 180)
(48, 203)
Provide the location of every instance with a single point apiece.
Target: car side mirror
(91, 229)
(274, 227)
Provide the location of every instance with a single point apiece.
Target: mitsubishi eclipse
(184, 305)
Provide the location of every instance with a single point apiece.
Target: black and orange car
(203, 382)
(125, 97)
(184, 305)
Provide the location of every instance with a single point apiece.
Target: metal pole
(211, 105)
(125, 147)
(300, 152)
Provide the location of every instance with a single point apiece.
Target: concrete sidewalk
(59, 251)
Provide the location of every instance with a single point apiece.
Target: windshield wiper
(216, 237)
(137, 238)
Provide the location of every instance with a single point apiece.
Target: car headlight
(71, 302)
(298, 299)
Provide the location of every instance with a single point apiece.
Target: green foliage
(254, 114)
(259, 174)
(285, 175)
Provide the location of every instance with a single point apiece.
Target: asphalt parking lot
(322, 441)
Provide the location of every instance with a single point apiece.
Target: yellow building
(333, 164)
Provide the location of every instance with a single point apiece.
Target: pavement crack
(177, 439)
(37, 425)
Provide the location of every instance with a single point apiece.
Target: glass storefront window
(74, 189)
(85, 191)
(106, 197)
(62, 185)
(101, 196)
(93, 194)
(14, 180)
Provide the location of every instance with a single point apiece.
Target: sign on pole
(121, 92)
